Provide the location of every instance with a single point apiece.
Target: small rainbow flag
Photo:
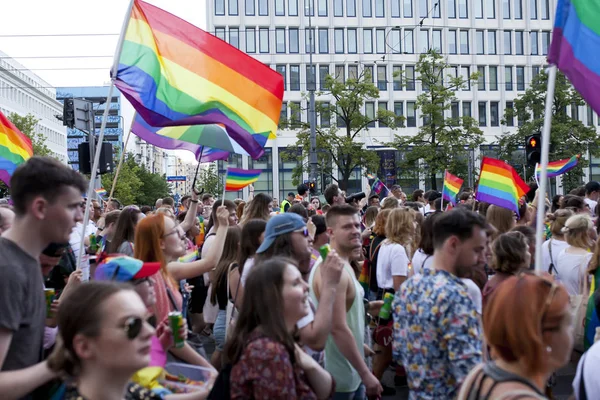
(189, 257)
(499, 184)
(175, 74)
(100, 192)
(371, 176)
(237, 179)
(15, 148)
(452, 185)
(556, 168)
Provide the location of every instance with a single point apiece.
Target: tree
(568, 135)
(209, 180)
(441, 143)
(27, 125)
(128, 183)
(154, 186)
(339, 134)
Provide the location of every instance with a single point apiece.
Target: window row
(382, 41)
(510, 9)
(23, 98)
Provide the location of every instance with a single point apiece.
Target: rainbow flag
(100, 192)
(237, 179)
(189, 257)
(15, 148)
(380, 188)
(556, 168)
(452, 185)
(175, 74)
(499, 184)
(575, 45)
(371, 176)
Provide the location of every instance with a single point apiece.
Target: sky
(72, 19)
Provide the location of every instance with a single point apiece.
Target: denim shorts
(219, 330)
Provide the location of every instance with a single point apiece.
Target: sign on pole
(176, 178)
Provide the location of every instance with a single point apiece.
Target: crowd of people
(311, 298)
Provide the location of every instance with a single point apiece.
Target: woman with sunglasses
(526, 347)
(104, 340)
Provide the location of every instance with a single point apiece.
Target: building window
(397, 77)
(519, 43)
(220, 33)
(494, 114)
(323, 41)
(323, 72)
(482, 114)
(454, 110)
(352, 47)
(366, 8)
(493, 78)
(518, 9)
(424, 40)
(250, 7)
(382, 105)
(410, 77)
(296, 117)
(507, 43)
(590, 116)
(491, 42)
(324, 114)
(234, 37)
(399, 108)
(219, 7)
(408, 13)
(545, 9)
(533, 39)
(381, 77)
(263, 34)
(491, 9)
(379, 8)
(281, 69)
(481, 79)
(250, 40)
(263, 7)
(478, 9)
(368, 41)
(423, 9)
(370, 113)
(533, 9)
(506, 9)
(280, 40)
(479, 42)
(233, 7)
(309, 40)
(322, 8)
(293, 8)
(353, 72)
(339, 40)
(535, 70)
(309, 8)
(510, 119)
(464, 42)
(351, 8)
(279, 7)
(340, 73)
(508, 78)
(465, 73)
(520, 78)
(338, 8)
(466, 109)
(409, 41)
(380, 40)
(369, 73)
(452, 41)
(411, 114)
(311, 79)
(395, 8)
(393, 43)
(436, 38)
(451, 9)
(545, 42)
(294, 77)
(294, 40)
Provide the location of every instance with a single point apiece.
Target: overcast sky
(76, 18)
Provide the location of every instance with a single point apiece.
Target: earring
(549, 349)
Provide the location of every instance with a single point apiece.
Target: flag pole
(541, 194)
(94, 172)
(121, 158)
(197, 168)
(224, 187)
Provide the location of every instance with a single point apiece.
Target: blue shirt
(436, 334)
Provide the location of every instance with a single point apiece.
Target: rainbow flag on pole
(575, 46)
(452, 185)
(101, 192)
(556, 168)
(237, 179)
(499, 184)
(15, 148)
(175, 74)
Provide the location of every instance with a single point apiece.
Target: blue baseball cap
(121, 268)
(279, 225)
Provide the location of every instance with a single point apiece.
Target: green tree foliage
(129, 185)
(27, 125)
(340, 141)
(154, 186)
(210, 181)
(568, 135)
(441, 143)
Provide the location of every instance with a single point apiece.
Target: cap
(55, 249)
(291, 194)
(117, 267)
(280, 225)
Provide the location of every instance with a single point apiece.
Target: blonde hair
(501, 218)
(558, 220)
(390, 203)
(576, 231)
(400, 228)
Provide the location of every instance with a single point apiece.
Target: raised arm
(190, 216)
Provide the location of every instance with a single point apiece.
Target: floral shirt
(436, 334)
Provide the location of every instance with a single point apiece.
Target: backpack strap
(551, 266)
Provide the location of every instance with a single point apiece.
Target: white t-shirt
(391, 261)
(474, 294)
(591, 364)
(208, 241)
(557, 247)
(592, 204)
(570, 268)
(75, 242)
(247, 267)
(421, 260)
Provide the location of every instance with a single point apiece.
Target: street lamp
(311, 90)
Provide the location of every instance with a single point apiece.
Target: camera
(355, 197)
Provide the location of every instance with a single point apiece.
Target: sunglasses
(133, 327)
(303, 231)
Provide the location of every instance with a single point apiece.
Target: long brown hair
(231, 249)
(148, 235)
(258, 208)
(125, 228)
(250, 242)
(263, 310)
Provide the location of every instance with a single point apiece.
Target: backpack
(221, 390)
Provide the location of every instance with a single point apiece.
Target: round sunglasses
(133, 326)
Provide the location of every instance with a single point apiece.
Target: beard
(464, 271)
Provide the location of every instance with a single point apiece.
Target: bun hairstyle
(80, 313)
(508, 252)
(558, 219)
(576, 231)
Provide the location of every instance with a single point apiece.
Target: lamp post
(312, 115)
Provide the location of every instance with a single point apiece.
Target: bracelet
(194, 201)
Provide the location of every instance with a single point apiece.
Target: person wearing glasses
(526, 347)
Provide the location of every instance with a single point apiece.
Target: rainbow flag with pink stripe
(237, 179)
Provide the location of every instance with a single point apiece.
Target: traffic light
(533, 149)
(69, 113)
(312, 187)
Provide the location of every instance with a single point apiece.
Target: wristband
(194, 201)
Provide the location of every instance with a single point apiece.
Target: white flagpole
(94, 171)
(224, 187)
(543, 182)
(535, 175)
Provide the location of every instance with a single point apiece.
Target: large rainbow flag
(452, 185)
(500, 184)
(15, 148)
(575, 46)
(175, 74)
(556, 168)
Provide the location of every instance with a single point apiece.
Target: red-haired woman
(526, 347)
